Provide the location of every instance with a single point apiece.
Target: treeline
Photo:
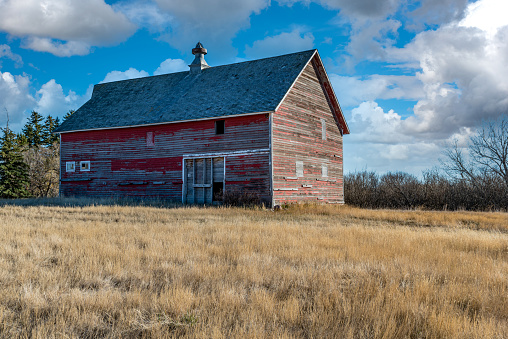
(434, 191)
(30, 160)
(472, 178)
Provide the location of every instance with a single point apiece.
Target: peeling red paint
(120, 158)
(148, 165)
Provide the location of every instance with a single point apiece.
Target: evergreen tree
(34, 130)
(50, 124)
(21, 140)
(68, 114)
(13, 170)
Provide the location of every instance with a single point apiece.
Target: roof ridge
(266, 58)
(211, 67)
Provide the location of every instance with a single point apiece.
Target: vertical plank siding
(297, 136)
(124, 163)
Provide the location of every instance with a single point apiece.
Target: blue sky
(411, 76)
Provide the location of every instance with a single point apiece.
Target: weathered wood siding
(124, 163)
(297, 138)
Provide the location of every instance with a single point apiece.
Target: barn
(270, 129)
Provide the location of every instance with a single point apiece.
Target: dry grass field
(309, 271)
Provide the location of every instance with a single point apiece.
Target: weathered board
(298, 141)
(148, 161)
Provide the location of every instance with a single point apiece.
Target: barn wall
(297, 137)
(123, 163)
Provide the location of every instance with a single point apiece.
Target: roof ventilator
(199, 62)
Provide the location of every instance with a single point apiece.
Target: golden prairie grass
(309, 271)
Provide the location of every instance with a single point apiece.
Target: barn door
(203, 180)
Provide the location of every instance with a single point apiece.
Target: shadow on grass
(84, 202)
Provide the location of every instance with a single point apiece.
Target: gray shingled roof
(246, 87)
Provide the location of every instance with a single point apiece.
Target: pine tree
(50, 124)
(21, 140)
(68, 114)
(13, 170)
(34, 130)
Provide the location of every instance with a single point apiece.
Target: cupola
(199, 62)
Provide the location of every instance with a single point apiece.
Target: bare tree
(487, 154)
(43, 170)
(489, 148)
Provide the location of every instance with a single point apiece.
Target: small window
(84, 166)
(69, 166)
(150, 141)
(324, 171)
(299, 168)
(323, 129)
(219, 127)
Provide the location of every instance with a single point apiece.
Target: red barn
(271, 128)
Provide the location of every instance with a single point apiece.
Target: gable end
(330, 94)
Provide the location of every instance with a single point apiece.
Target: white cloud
(214, 23)
(370, 40)
(58, 48)
(64, 27)
(5, 52)
(167, 66)
(131, 73)
(283, 43)
(378, 141)
(464, 78)
(437, 12)
(460, 81)
(14, 97)
(370, 24)
(351, 91)
(371, 124)
(171, 66)
(145, 14)
(51, 99)
(487, 15)
(361, 9)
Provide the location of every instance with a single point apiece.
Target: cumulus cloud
(131, 73)
(370, 24)
(171, 66)
(165, 67)
(487, 15)
(51, 99)
(58, 48)
(14, 97)
(64, 27)
(283, 43)
(351, 91)
(372, 124)
(460, 81)
(370, 40)
(378, 141)
(146, 14)
(463, 72)
(437, 12)
(214, 23)
(361, 9)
